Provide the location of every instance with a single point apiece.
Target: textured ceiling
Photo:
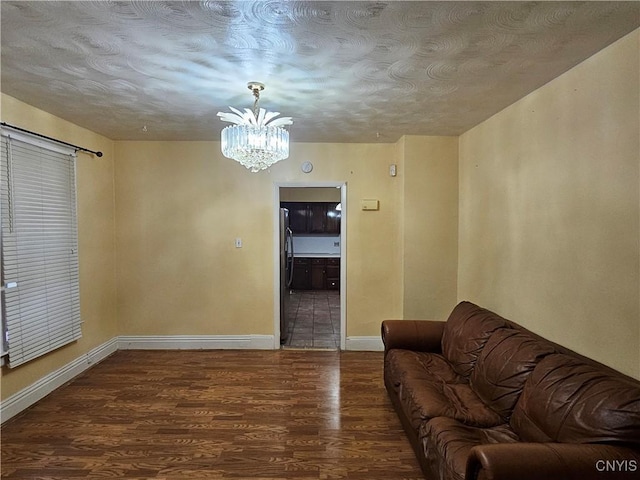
(345, 71)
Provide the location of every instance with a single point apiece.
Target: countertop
(316, 255)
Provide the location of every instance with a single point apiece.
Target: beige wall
(430, 226)
(180, 205)
(96, 221)
(549, 209)
(309, 194)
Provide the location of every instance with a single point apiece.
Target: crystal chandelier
(258, 139)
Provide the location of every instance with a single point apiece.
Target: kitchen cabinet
(317, 217)
(333, 217)
(316, 274)
(297, 216)
(301, 274)
(332, 275)
(313, 217)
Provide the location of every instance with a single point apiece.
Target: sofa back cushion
(568, 400)
(505, 363)
(465, 333)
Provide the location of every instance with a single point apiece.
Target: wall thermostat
(306, 167)
(370, 204)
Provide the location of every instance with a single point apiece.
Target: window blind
(41, 294)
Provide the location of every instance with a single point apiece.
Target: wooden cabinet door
(301, 274)
(298, 216)
(318, 274)
(333, 218)
(317, 217)
(332, 276)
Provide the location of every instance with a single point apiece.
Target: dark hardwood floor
(228, 414)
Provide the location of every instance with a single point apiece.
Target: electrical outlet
(238, 242)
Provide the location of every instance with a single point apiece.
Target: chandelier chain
(256, 94)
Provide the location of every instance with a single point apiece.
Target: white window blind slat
(39, 248)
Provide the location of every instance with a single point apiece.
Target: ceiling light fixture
(258, 139)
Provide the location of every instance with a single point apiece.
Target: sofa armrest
(418, 335)
(557, 461)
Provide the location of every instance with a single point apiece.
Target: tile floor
(315, 319)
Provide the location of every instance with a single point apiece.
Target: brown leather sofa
(481, 397)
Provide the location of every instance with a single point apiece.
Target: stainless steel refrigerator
(286, 273)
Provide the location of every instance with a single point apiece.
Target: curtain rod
(97, 154)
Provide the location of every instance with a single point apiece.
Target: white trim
(366, 344)
(196, 342)
(26, 397)
(276, 265)
(343, 268)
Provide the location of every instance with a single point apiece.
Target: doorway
(310, 300)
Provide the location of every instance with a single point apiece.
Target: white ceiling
(345, 71)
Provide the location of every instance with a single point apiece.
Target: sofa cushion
(568, 400)
(506, 361)
(446, 444)
(408, 365)
(422, 401)
(465, 333)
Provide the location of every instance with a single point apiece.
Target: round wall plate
(306, 167)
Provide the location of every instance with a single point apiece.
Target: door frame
(276, 255)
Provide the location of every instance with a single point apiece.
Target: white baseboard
(26, 397)
(366, 344)
(197, 342)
